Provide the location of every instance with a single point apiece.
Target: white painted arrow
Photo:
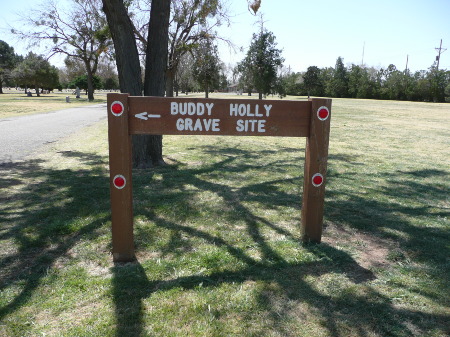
(142, 115)
(145, 116)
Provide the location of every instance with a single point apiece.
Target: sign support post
(316, 157)
(121, 187)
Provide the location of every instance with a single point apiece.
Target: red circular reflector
(119, 181)
(317, 179)
(117, 108)
(323, 113)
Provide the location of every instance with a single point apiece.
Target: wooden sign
(128, 115)
(178, 116)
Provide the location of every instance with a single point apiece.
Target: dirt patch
(372, 252)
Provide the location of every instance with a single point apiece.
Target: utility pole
(406, 69)
(362, 59)
(406, 78)
(440, 50)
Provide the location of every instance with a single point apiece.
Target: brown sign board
(130, 115)
(196, 116)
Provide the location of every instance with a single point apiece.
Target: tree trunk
(260, 95)
(1, 87)
(127, 57)
(90, 83)
(128, 67)
(170, 76)
(207, 92)
(156, 64)
(37, 91)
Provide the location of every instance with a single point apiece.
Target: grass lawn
(217, 235)
(16, 103)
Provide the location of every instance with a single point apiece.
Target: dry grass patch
(13, 104)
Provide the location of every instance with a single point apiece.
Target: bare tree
(72, 69)
(184, 79)
(80, 32)
(191, 22)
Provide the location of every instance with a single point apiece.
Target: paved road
(21, 136)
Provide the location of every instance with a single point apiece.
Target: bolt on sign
(130, 115)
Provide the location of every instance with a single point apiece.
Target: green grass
(16, 103)
(217, 235)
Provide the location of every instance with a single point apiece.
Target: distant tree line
(30, 72)
(356, 81)
(34, 72)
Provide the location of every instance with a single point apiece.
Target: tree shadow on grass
(43, 214)
(414, 219)
(409, 208)
(40, 218)
(367, 311)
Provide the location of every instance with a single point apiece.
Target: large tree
(35, 71)
(206, 67)
(447, 93)
(7, 62)
(339, 82)
(261, 63)
(81, 82)
(123, 33)
(147, 150)
(313, 81)
(80, 33)
(359, 82)
(439, 79)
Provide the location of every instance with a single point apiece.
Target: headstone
(77, 90)
(67, 99)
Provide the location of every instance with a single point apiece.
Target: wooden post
(120, 178)
(316, 157)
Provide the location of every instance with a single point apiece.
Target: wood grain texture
(316, 158)
(285, 118)
(120, 164)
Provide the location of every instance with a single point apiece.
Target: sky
(315, 33)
